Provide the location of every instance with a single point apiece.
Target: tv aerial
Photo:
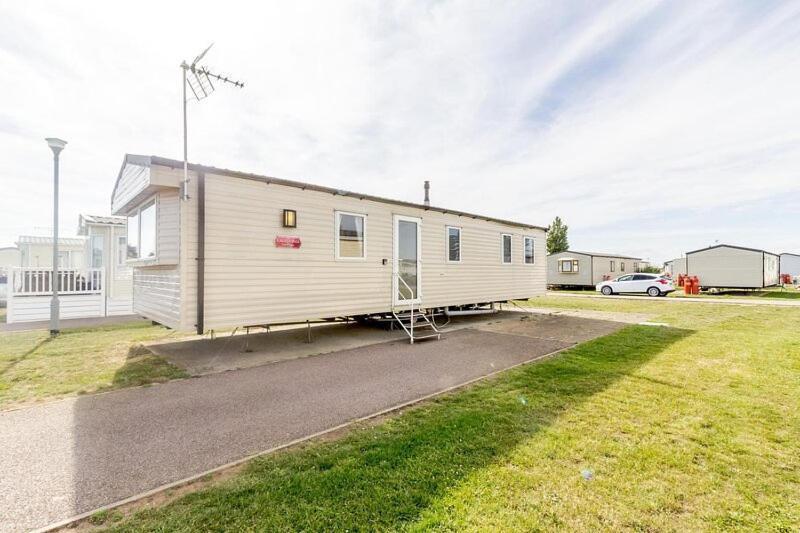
(200, 81)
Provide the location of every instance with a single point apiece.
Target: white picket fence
(82, 293)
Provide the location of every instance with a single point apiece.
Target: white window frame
(336, 225)
(396, 219)
(92, 237)
(121, 251)
(62, 253)
(503, 248)
(447, 244)
(138, 214)
(525, 239)
(574, 264)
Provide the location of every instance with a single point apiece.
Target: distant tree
(557, 237)
(650, 269)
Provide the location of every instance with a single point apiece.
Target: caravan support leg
(247, 340)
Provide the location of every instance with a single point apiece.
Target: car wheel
(653, 291)
(607, 291)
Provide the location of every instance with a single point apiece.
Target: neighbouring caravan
(587, 269)
(790, 264)
(675, 267)
(9, 258)
(106, 249)
(94, 279)
(37, 252)
(245, 249)
(733, 267)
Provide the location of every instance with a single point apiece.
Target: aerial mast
(198, 80)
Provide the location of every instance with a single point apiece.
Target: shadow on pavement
(387, 475)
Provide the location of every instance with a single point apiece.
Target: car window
(625, 278)
(642, 277)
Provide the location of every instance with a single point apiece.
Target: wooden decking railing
(37, 281)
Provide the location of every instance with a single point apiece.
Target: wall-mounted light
(289, 218)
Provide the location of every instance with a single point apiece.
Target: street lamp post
(56, 145)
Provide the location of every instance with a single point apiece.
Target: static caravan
(36, 251)
(733, 267)
(9, 258)
(107, 249)
(93, 276)
(231, 249)
(790, 264)
(675, 267)
(587, 269)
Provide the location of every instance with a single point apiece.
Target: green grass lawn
(34, 367)
(771, 292)
(695, 426)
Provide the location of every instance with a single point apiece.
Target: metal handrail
(411, 334)
(412, 317)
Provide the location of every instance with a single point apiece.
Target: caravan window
(142, 232)
(133, 237)
(569, 266)
(63, 260)
(612, 266)
(528, 250)
(147, 231)
(97, 251)
(453, 244)
(350, 235)
(506, 257)
(122, 245)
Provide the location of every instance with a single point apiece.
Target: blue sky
(651, 128)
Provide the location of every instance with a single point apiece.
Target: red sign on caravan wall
(283, 241)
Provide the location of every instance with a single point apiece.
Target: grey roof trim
(596, 254)
(731, 246)
(163, 161)
(141, 160)
(789, 253)
(109, 220)
(35, 239)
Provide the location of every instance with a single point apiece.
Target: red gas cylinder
(681, 278)
(687, 285)
(695, 285)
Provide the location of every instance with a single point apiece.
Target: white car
(650, 284)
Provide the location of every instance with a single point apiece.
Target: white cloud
(607, 116)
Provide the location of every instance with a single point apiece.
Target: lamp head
(56, 144)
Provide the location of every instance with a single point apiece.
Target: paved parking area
(72, 456)
(201, 355)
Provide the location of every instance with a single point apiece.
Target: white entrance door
(407, 278)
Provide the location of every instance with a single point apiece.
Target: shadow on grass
(384, 476)
(12, 363)
(791, 294)
(142, 367)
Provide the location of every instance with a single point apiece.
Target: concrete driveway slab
(72, 456)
